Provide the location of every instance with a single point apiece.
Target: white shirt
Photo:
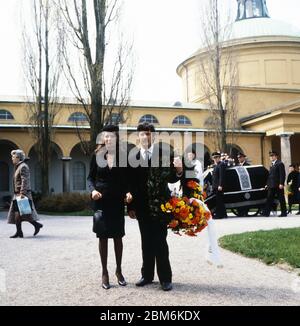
(198, 170)
(149, 151)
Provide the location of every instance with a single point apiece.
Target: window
(79, 176)
(177, 103)
(4, 176)
(182, 120)
(5, 115)
(149, 118)
(115, 119)
(78, 117)
(257, 9)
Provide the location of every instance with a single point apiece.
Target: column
(285, 144)
(66, 174)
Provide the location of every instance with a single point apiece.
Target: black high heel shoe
(105, 282)
(121, 279)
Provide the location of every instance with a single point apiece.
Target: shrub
(66, 202)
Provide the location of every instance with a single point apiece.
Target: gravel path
(61, 267)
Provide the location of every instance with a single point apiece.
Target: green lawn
(272, 247)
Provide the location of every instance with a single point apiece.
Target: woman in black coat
(109, 190)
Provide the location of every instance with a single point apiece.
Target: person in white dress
(193, 161)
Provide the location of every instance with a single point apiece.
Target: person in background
(275, 185)
(196, 164)
(242, 158)
(292, 182)
(22, 188)
(109, 187)
(218, 183)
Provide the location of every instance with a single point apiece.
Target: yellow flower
(168, 206)
(190, 216)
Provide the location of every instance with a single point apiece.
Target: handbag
(24, 206)
(99, 225)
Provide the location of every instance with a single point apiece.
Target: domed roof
(262, 27)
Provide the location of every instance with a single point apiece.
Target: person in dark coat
(109, 186)
(292, 182)
(218, 184)
(153, 168)
(242, 158)
(275, 185)
(22, 188)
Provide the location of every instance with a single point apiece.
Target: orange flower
(192, 184)
(173, 224)
(184, 212)
(174, 201)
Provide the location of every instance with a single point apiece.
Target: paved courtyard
(61, 266)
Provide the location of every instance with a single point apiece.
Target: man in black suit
(242, 158)
(149, 192)
(218, 179)
(275, 185)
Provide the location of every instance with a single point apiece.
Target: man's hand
(96, 195)
(220, 188)
(132, 214)
(128, 198)
(281, 187)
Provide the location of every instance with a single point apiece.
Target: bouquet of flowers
(188, 214)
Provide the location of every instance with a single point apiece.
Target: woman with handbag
(22, 189)
(110, 190)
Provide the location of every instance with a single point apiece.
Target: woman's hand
(96, 195)
(128, 198)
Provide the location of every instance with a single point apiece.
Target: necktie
(146, 156)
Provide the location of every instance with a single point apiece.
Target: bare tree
(218, 74)
(42, 67)
(104, 94)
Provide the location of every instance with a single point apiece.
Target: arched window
(5, 115)
(115, 119)
(78, 117)
(182, 120)
(4, 176)
(149, 118)
(79, 176)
